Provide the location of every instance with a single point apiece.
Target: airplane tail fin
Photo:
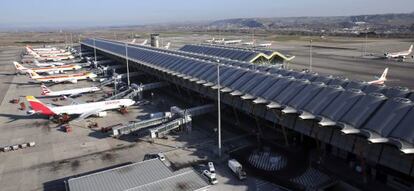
(38, 106)
(18, 66)
(133, 41)
(45, 90)
(384, 75)
(410, 49)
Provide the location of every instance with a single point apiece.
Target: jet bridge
(167, 122)
(136, 90)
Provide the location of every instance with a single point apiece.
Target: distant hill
(380, 22)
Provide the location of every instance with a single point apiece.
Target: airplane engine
(102, 114)
(74, 81)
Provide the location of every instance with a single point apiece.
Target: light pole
(80, 46)
(310, 56)
(366, 40)
(94, 51)
(126, 57)
(218, 108)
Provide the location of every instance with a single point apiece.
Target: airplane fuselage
(86, 107)
(73, 91)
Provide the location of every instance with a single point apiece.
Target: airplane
(232, 41)
(44, 50)
(53, 57)
(399, 55)
(133, 41)
(248, 43)
(73, 78)
(30, 49)
(47, 64)
(382, 79)
(83, 110)
(210, 41)
(71, 93)
(49, 70)
(219, 41)
(47, 54)
(264, 45)
(144, 43)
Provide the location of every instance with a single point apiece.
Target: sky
(58, 13)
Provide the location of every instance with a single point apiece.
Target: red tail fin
(39, 107)
(45, 90)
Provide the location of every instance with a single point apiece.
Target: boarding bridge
(132, 127)
(100, 62)
(135, 90)
(168, 121)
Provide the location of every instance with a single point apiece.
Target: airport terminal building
(355, 132)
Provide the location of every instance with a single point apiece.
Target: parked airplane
(219, 41)
(210, 41)
(53, 57)
(248, 43)
(49, 70)
(83, 110)
(144, 42)
(399, 55)
(44, 50)
(47, 64)
(73, 78)
(382, 79)
(72, 92)
(264, 45)
(232, 41)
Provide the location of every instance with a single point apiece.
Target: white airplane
(167, 46)
(133, 41)
(144, 42)
(232, 41)
(48, 54)
(219, 41)
(44, 50)
(382, 79)
(248, 43)
(264, 45)
(83, 110)
(210, 41)
(47, 64)
(48, 70)
(53, 57)
(72, 92)
(73, 78)
(399, 55)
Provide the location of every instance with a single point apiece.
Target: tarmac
(59, 155)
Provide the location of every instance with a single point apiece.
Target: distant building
(256, 56)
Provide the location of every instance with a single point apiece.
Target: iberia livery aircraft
(83, 110)
(49, 70)
(73, 78)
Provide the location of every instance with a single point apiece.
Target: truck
(210, 176)
(237, 168)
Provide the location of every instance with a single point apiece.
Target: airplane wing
(74, 95)
(74, 102)
(88, 113)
